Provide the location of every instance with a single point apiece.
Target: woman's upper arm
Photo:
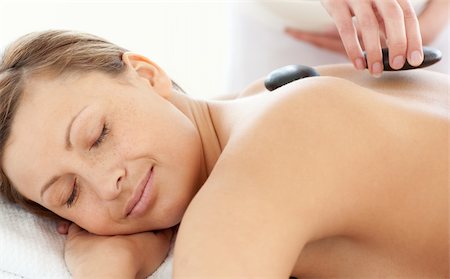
(232, 231)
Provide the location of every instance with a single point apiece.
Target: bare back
(356, 176)
(418, 85)
(414, 242)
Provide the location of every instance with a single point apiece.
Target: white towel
(31, 247)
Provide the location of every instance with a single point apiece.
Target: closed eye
(73, 196)
(101, 138)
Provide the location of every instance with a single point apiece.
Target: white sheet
(31, 247)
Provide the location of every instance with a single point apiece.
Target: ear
(150, 72)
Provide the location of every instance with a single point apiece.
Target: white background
(186, 38)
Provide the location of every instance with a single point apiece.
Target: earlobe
(149, 71)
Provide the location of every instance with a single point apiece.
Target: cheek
(183, 139)
(95, 222)
(188, 165)
(184, 150)
(166, 134)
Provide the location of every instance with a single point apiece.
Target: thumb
(74, 230)
(62, 227)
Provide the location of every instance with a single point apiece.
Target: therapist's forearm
(433, 20)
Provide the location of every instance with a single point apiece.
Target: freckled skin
(343, 155)
(165, 139)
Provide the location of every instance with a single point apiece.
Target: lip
(141, 196)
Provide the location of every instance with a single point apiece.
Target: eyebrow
(69, 128)
(68, 146)
(48, 184)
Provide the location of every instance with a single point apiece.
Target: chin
(110, 231)
(170, 216)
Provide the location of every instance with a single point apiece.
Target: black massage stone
(430, 56)
(287, 74)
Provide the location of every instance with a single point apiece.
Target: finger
(413, 36)
(63, 227)
(330, 43)
(342, 17)
(331, 31)
(382, 27)
(394, 23)
(368, 24)
(358, 31)
(74, 230)
(299, 34)
(168, 233)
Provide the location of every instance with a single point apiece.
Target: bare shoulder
(326, 135)
(319, 157)
(330, 139)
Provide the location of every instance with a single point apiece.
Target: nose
(108, 185)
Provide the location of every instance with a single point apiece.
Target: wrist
(121, 267)
(110, 274)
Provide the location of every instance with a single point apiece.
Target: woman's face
(111, 155)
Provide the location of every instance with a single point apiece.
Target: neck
(198, 112)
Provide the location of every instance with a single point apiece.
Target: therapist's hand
(329, 40)
(375, 20)
(395, 18)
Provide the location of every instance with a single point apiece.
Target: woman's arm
(224, 235)
(121, 256)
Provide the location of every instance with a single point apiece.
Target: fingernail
(359, 64)
(398, 62)
(416, 58)
(377, 69)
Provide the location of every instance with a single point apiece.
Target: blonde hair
(53, 52)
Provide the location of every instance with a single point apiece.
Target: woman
(339, 175)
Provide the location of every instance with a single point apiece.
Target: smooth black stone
(287, 74)
(430, 57)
